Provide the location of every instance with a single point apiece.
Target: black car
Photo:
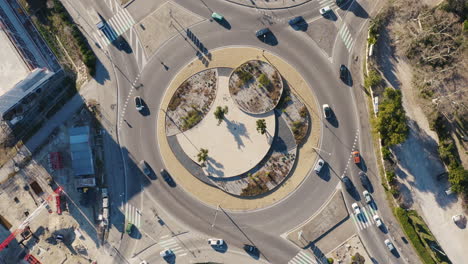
(251, 250)
(347, 182)
(296, 22)
(262, 33)
(364, 179)
(167, 178)
(343, 72)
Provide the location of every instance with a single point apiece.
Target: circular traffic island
(237, 128)
(256, 87)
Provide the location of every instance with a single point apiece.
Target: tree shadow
(354, 7)
(238, 130)
(419, 157)
(387, 58)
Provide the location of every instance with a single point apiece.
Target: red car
(356, 157)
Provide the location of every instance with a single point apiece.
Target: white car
(326, 111)
(325, 10)
(319, 165)
(378, 221)
(356, 208)
(166, 253)
(367, 196)
(389, 244)
(215, 242)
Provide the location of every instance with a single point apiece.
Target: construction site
(52, 209)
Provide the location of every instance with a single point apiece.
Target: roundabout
(235, 147)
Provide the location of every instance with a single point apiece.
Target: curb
(266, 8)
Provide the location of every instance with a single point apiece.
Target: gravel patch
(256, 87)
(295, 113)
(191, 101)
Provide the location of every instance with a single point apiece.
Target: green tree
(458, 178)
(357, 259)
(391, 119)
(202, 156)
(261, 126)
(220, 112)
(372, 79)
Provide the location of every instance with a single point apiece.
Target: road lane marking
(302, 258)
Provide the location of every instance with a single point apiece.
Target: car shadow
(333, 120)
(269, 39)
(395, 253)
(145, 111)
(224, 23)
(384, 229)
(169, 179)
(121, 44)
(362, 165)
(221, 249)
(325, 173)
(170, 259)
(331, 16)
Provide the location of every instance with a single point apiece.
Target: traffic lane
(183, 53)
(201, 218)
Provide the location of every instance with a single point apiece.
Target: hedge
(410, 232)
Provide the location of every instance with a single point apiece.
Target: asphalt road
(319, 69)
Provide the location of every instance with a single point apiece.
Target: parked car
(378, 221)
(347, 182)
(139, 103)
(458, 218)
(389, 244)
(356, 208)
(326, 111)
(319, 165)
(367, 196)
(356, 157)
(144, 167)
(215, 242)
(324, 10)
(167, 177)
(166, 253)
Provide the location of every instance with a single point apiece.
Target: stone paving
(232, 58)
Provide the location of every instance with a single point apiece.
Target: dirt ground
(344, 253)
(418, 160)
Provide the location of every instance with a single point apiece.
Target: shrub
(458, 178)
(244, 76)
(391, 119)
(372, 79)
(408, 228)
(391, 177)
(303, 112)
(386, 154)
(264, 81)
(191, 119)
(330, 260)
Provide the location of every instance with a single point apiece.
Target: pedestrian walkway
(114, 27)
(329, 3)
(365, 218)
(132, 215)
(172, 244)
(346, 37)
(303, 257)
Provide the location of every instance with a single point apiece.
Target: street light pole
(216, 214)
(317, 149)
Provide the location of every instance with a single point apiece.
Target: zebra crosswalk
(365, 218)
(132, 215)
(115, 27)
(172, 244)
(324, 3)
(303, 257)
(346, 37)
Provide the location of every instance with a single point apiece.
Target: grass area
(53, 21)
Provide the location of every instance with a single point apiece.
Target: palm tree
(261, 126)
(202, 156)
(220, 112)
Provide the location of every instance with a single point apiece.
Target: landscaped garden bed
(295, 113)
(191, 101)
(256, 87)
